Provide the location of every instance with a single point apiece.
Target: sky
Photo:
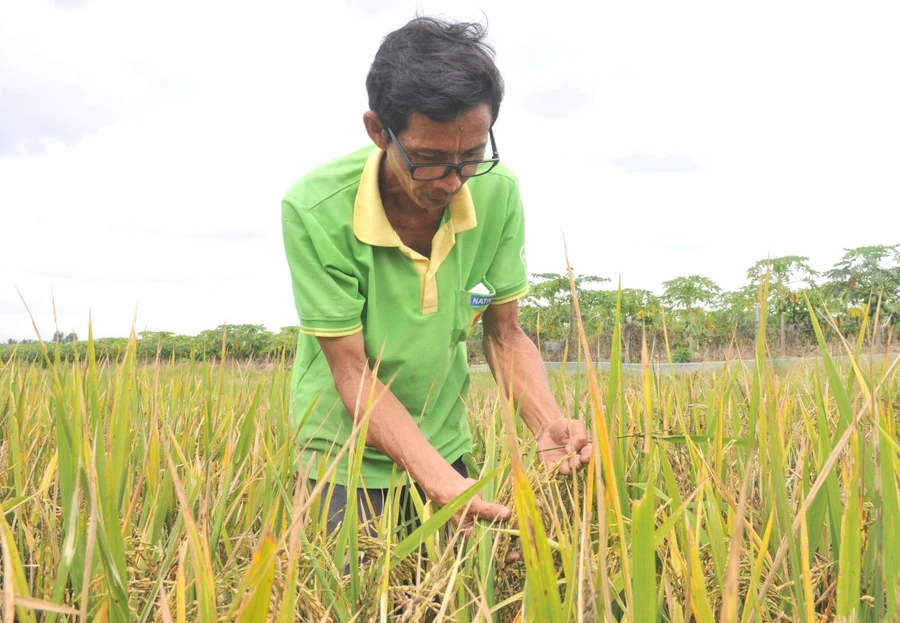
(145, 147)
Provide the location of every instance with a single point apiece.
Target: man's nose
(451, 183)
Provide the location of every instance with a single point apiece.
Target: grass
(171, 492)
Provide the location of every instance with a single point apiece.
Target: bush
(682, 355)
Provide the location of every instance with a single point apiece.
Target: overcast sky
(144, 149)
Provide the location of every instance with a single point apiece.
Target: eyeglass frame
(494, 160)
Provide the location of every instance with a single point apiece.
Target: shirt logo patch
(477, 300)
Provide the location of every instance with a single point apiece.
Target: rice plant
(172, 492)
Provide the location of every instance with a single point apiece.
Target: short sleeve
(508, 273)
(326, 293)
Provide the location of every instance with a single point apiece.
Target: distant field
(758, 492)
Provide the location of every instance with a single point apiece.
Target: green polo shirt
(350, 272)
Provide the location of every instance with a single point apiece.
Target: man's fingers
(489, 511)
(575, 462)
(586, 452)
(463, 522)
(577, 446)
(577, 435)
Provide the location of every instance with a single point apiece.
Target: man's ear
(375, 129)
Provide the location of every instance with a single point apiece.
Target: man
(395, 253)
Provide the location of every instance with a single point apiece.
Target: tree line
(243, 342)
(861, 292)
(698, 320)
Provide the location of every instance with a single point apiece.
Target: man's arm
(518, 368)
(393, 431)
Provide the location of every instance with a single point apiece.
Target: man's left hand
(565, 439)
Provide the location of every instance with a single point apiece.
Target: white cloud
(163, 192)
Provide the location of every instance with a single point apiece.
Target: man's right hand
(476, 508)
(393, 431)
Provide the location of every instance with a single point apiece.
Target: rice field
(172, 492)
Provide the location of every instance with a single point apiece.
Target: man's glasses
(435, 171)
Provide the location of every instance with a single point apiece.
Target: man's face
(426, 141)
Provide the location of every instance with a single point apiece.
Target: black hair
(434, 67)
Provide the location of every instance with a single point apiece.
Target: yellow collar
(370, 223)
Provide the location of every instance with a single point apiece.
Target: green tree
(548, 311)
(246, 340)
(242, 341)
(638, 309)
(152, 342)
(789, 277)
(209, 342)
(59, 336)
(111, 348)
(734, 314)
(641, 306)
(863, 275)
(285, 341)
(690, 295)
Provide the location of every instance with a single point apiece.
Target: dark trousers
(376, 499)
